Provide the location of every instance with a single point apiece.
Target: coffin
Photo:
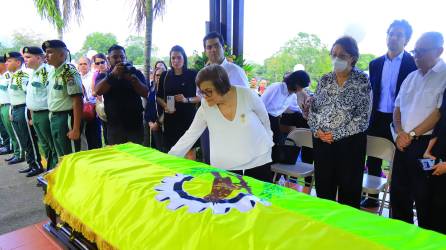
(131, 197)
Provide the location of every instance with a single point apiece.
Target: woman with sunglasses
(100, 66)
(177, 96)
(239, 129)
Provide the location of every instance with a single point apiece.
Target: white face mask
(339, 65)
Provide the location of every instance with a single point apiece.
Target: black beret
(2, 59)
(33, 50)
(13, 54)
(53, 44)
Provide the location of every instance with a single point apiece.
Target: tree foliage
(21, 39)
(99, 42)
(59, 12)
(134, 48)
(306, 49)
(364, 60)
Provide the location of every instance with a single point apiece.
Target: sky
(268, 24)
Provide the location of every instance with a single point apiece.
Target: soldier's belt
(18, 106)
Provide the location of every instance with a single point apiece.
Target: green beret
(33, 50)
(13, 54)
(53, 44)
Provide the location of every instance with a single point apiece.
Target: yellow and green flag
(131, 197)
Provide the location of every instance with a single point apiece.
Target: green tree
(364, 60)
(20, 39)
(134, 48)
(306, 49)
(59, 13)
(145, 11)
(98, 41)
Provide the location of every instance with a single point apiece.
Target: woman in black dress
(177, 84)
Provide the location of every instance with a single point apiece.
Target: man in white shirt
(415, 115)
(279, 96)
(214, 47)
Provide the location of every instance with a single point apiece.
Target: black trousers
(262, 173)
(339, 168)
(275, 127)
(410, 183)
(379, 127)
(117, 134)
(93, 133)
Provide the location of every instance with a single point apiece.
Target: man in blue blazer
(386, 75)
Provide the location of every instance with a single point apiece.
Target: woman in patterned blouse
(339, 115)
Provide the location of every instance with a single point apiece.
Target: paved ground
(20, 199)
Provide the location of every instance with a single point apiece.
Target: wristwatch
(412, 134)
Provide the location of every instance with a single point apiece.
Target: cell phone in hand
(170, 103)
(427, 164)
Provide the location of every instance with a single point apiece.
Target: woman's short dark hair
(178, 48)
(215, 74)
(298, 78)
(350, 46)
(404, 25)
(99, 55)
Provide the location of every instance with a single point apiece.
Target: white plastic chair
(302, 137)
(384, 149)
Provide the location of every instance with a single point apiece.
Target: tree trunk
(60, 33)
(148, 38)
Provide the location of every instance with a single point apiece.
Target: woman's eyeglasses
(206, 92)
(99, 63)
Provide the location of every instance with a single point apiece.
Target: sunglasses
(99, 63)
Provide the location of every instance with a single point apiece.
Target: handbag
(100, 109)
(285, 154)
(89, 111)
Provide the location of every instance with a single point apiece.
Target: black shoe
(10, 158)
(34, 172)
(25, 170)
(369, 203)
(15, 161)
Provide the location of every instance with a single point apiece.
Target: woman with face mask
(339, 115)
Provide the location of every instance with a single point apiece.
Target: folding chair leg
(381, 205)
(274, 177)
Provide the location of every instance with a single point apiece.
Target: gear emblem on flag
(224, 196)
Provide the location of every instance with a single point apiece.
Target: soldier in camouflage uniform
(17, 93)
(37, 101)
(64, 99)
(4, 133)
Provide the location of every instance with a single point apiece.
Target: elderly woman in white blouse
(239, 128)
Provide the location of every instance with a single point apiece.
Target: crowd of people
(64, 108)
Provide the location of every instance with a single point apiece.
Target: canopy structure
(226, 17)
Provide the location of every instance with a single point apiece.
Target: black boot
(25, 170)
(36, 170)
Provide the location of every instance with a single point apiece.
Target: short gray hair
(436, 38)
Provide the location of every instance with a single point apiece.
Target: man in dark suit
(386, 75)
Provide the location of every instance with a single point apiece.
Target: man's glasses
(206, 92)
(99, 63)
(420, 52)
